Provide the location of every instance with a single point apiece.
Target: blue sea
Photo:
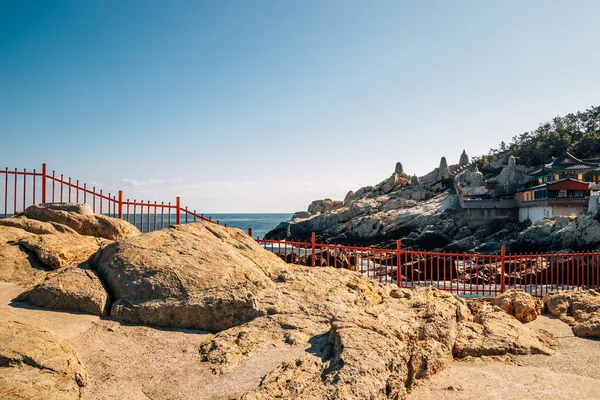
(260, 223)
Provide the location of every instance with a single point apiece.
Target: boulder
(35, 364)
(580, 309)
(496, 333)
(300, 215)
(325, 205)
(198, 275)
(62, 249)
(35, 226)
(429, 240)
(75, 288)
(518, 304)
(17, 264)
(462, 246)
(79, 218)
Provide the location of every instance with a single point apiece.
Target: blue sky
(264, 106)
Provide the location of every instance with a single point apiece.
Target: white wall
(534, 213)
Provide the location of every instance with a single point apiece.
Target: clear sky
(264, 106)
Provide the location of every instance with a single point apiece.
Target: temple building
(562, 197)
(568, 166)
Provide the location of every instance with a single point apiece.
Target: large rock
(36, 364)
(518, 304)
(579, 309)
(375, 348)
(367, 338)
(62, 249)
(75, 288)
(16, 264)
(35, 226)
(198, 275)
(79, 218)
(323, 206)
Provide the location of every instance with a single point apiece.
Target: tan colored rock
(580, 309)
(35, 226)
(36, 364)
(10, 235)
(365, 339)
(494, 333)
(17, 265)
(78, 218)
(62, 249)
(518, 304)
(199, 275)
(75, 288)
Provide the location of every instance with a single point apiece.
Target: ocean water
(260, 223)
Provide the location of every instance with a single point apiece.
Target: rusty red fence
(465, 274)
(23, 188)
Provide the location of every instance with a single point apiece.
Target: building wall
(534, 213)
(565, 211)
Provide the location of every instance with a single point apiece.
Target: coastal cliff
(429, 212)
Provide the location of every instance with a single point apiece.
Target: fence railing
(460, 273)
(465, 274)
(23, 188)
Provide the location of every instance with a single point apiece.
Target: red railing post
(398, 274)
(177, 207)
(120, 204)
(43, 182)
(502, 259)
(314, 242)
(250, 232)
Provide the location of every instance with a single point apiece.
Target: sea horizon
(260, 223)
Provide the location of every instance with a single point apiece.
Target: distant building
(562, 197)
(565, 186)
(567, 166)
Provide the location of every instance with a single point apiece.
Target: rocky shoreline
(425, 213)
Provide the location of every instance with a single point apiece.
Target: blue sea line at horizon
(260, 223)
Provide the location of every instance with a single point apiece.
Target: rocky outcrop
(62, 249)
(29, 246)
(198, 275)
(368, 339)
(579, 309)
(80, 218)
(322, 206)
(511, 174)
(518, 304)
(389, 210)
(35, 364)
(75, 288)
(376, 345)
(558, 233)
(35, 226)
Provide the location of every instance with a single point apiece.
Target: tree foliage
(577, 133)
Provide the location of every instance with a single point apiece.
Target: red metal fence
(465, 274)
(25, 188)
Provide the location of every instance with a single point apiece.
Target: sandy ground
(136, 362)
(573, 373)
(129, 362)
